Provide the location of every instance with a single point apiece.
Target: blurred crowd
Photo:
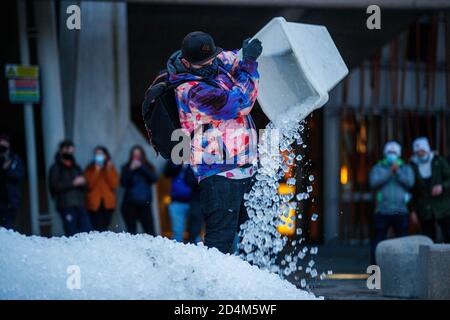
(406, 192)
(86, 199)
(414, 192)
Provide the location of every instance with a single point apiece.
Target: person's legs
(95, 220)
(129, 216)
(106, 219)
(195, 219)
(221, 200)
(382, 224)
(84, 223)
(178, 212)
(69, 218)
(444, 223)
(145, 217)
(429, 229)
(7, 216)
(400, 224)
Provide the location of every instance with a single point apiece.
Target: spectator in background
(68, 186)
(11, 175)
(138, 176)
(102, 182)
(431, 193)
(392, 180)
(180, 196)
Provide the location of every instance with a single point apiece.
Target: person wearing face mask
(430, 203)
(68, 186)
(12, 172)
(102, 182)
(214, 101)
(391, 179)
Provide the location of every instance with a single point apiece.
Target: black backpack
(160, 113)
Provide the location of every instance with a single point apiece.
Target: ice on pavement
(123, 266)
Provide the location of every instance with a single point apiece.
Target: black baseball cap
(198, 47)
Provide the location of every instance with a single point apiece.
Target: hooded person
(431, 193)
(214, 109)
(391, 179)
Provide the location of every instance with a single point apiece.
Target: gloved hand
(251, 50)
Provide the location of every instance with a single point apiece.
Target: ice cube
(291, 181)
(314, 217)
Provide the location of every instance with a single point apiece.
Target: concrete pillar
(331, 171)
(101, 101)
(52, 107)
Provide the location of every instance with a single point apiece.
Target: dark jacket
(10, 182)
(61, 188)
(427, 206)
(138, 184)
(181, 188)
(392, 190)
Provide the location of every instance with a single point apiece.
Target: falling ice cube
(311, 263)
(313, 250)
(313, 273)
(309, 188)
(291, 181)
(314, 217)
(299, 231)
(311, 177)
(303, 283)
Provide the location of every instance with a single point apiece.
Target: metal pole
(52, 106)
(29, 124)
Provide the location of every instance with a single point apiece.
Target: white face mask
(391, 157)
(424, 158)
(99, 159)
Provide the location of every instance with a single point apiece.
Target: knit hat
(421, 144)
(393, 147)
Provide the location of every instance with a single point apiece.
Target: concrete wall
(97, 109)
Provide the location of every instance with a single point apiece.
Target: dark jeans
(195, 220)
(101, 218)
(223, 209)
(7, 216)
(399, 222)
(429, 228)
(75, 220)
(132, 213)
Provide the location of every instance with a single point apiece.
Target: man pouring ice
(214, 108)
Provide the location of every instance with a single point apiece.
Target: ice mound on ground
(123, 266)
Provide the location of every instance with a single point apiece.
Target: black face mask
(67, 156)
(3, 150)
(207, 71)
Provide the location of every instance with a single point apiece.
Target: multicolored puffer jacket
(216, 114)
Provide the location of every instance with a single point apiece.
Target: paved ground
(346, 261)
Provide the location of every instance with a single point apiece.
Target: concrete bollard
(398, 262)
(434, 271)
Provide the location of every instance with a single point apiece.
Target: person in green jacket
(391, 179)
(430, 202)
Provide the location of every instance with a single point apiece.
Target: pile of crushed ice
(121, 266)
